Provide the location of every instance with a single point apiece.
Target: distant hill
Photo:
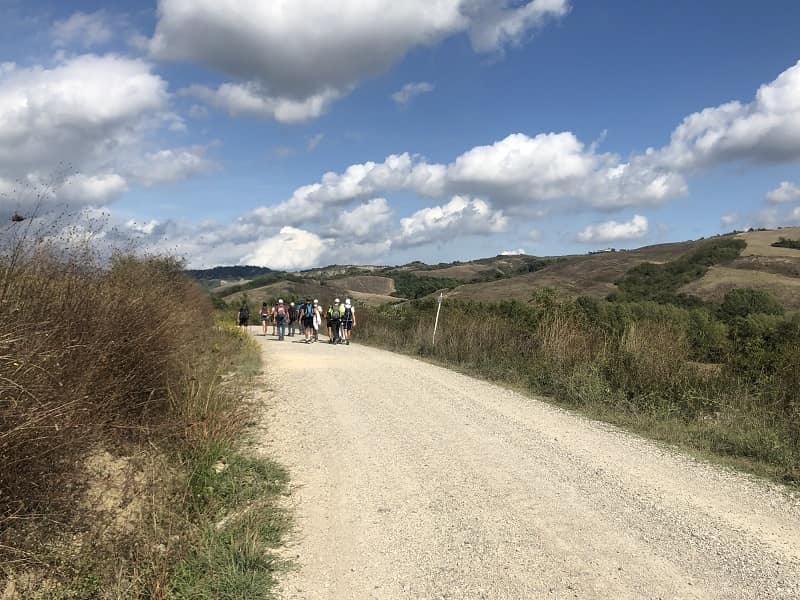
(760, 265)
(229, 273)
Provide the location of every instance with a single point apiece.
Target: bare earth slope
(412, 481)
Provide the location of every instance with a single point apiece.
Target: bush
(742, 302)
(787, 243)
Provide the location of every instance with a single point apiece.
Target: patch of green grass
(236, 498)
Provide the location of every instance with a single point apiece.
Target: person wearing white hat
(348, 320)
(281, 316)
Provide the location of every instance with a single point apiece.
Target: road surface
(413, 481)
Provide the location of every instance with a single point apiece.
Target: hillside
(760, 266)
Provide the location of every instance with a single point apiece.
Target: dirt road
(412, 481)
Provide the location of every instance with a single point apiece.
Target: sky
(301, 133)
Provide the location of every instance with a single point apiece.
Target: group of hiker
(304, 318)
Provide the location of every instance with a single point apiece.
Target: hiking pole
(438, 310)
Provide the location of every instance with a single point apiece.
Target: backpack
(348, 314)
(244, 313)
(334, 314)
(292, 313)
(308, 311)
(280, 313)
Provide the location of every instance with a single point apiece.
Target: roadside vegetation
(123, 406)
(721, 379)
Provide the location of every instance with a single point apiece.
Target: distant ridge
(239, 272)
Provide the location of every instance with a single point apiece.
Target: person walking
(264, 317)
(280, 314)
(317, 319)
(243, 317)
(348, 320)
(307, 319)
(292, 318)
(335, 320)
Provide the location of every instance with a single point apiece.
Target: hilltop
(756, 264)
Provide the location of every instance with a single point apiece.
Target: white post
(438, 310)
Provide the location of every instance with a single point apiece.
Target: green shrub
(787, 243)
(742, 302)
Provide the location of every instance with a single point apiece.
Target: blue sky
(278, 133)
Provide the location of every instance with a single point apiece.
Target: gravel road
(412, 481)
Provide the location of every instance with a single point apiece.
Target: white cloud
(167, 166)
(253, 100)
(612, 231)
(82, 29)
(729, 219)
(410, 91)
(517, 252)
(461, 216)
(493, 26)
(766, 130)
(365, 221)
(535, 235)
(79, 131)
(785, 192)
(291, 249)
(291, 59)
(94, 189)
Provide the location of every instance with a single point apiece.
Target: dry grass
(720, 280)
(759, 242)
(113, 383)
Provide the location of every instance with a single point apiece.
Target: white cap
(336, 301)
(316, 301)
(291, 303)
(347, 301)
(280, 301)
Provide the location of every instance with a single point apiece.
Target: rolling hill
(760, 266)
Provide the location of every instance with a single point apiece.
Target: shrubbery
(787, 243)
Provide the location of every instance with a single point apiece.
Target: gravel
(413, 481)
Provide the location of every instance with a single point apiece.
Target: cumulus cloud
(289, 60)
(729, 219)
(517, 252)
(365, 221)
(461, 216)
(291, 249)
(83, 29)
(410, 91)
(78, 131)
(766, 130)
(612, 231)
(785, 192)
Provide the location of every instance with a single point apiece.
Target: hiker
(280, 314)
(243, 317)
(307, 319)
(293, 313)
(329, 323)
(348, 320)
(264, 317)
(317, 319)
(334, 320)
